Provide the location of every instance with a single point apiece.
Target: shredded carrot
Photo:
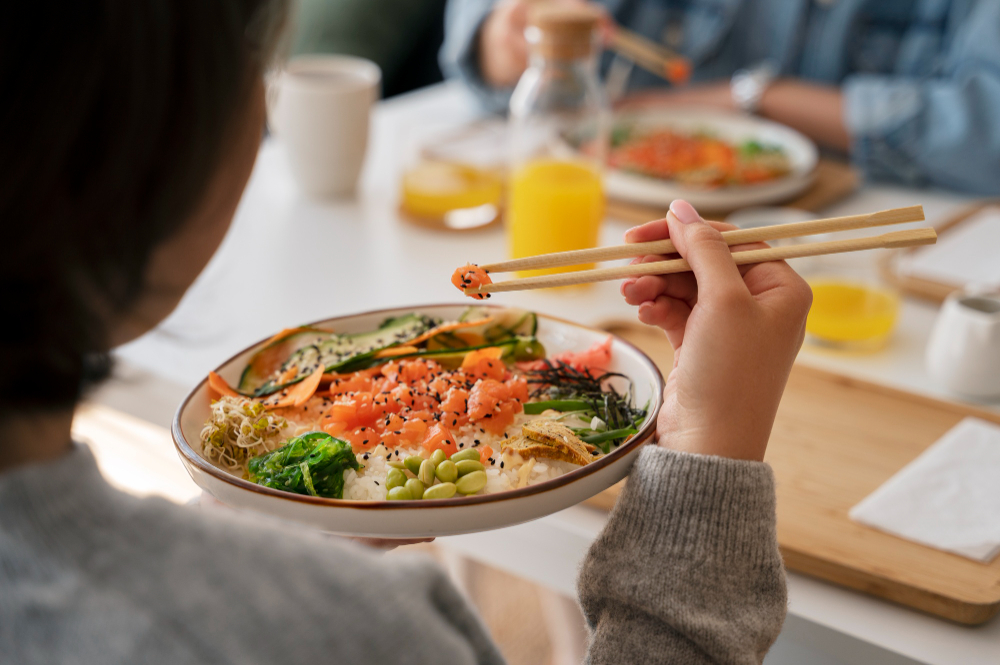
(277, 337)
(472, 358)
(218, 387)
(394, 351)
(448, 327)
(298, 394)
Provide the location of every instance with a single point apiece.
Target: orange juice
(845, 312)
(554, 206)
(432, 190)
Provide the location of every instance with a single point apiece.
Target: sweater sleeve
(687, 569)
(943, 130)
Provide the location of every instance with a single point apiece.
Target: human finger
(706, 252)
(659, 229)
(668, 314)
(681, 286)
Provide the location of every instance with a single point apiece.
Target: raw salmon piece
(439, 437)
(471, 276)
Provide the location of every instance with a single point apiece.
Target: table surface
(288, 260)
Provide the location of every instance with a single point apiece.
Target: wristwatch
(748, 85)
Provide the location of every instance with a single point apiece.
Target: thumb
(703, 247)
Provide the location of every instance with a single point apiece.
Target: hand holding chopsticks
(736, 237)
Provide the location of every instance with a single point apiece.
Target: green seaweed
(313, 463)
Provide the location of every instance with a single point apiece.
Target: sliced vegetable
(273, 354)
(534, 408)
(313, 463)
(218, 386)
(296, 395)
(334, 351)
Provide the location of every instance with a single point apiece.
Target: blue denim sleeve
(942, 131)
(459, 55)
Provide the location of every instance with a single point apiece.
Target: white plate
(416, 519)
(732, 127)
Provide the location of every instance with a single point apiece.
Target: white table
(289, 260)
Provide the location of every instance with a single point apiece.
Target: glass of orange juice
(558, 138)
(853, 309)
(553, 206)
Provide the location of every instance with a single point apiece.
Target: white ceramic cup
(964, 349)
(319, 107)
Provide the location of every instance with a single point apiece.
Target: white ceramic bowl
(728, 126)
(416, 519)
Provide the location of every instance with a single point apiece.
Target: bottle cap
(559, 31)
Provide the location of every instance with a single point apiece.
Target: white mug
(319, 107)
(964, 349)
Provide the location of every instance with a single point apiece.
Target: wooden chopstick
(891, 240)
(651, 56)
(737, 237)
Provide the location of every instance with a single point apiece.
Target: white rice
(368, 484)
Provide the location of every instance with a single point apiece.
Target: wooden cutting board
(835, 440)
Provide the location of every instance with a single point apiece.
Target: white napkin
(947, 498)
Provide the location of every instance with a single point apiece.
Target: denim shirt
(920, 78)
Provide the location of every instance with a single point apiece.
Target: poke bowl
(421, 421)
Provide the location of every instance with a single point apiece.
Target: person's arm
(814, 109)
(687, 568)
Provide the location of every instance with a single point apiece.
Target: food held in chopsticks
(895, 240)
(650, 55)
(418, 409)
(471, 276)
(696, 159)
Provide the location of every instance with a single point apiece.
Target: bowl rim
(191, 457)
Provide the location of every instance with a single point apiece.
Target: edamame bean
(399, 494)
(395, 478)
(438, 456)
(442, 491)
(471, 483)
(413, 463)
(426, 472)
(446, 471)
(396, 465)
(468, 453)
(415, 488)
(468, 466)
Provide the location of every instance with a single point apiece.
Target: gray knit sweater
(687, 571)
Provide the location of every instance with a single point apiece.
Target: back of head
(115, 115)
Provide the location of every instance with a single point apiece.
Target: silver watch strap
(748, 85)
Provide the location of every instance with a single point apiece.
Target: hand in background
(735, 333)
(503, 50)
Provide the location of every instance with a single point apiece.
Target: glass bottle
(558, 138)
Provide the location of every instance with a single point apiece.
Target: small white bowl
(419, 519)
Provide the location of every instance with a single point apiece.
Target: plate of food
(713, 159)
(421, 421)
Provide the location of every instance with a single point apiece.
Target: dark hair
(114, 115)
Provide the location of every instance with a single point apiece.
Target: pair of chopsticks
(650, 56)
(891, 240)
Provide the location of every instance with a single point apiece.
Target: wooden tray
(924, 288)
(834, 442)
(834, 181)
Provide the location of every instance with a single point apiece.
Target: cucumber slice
(336, 351)
(266, 361)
